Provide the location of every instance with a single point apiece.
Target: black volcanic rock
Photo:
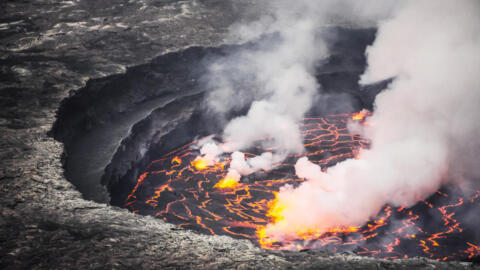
(49, 50)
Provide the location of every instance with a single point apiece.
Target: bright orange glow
(343, 230)
(357, 116)
(200, 164)
(176, 160)
(263, 240)
(276, 209)
(227, 183)
(276, 213)
(360, 115)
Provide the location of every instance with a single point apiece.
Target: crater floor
(50, 49)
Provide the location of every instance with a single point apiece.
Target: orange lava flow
(276, 209)
(199, 163)
(194, 193)
(227, 183)
(361, 115)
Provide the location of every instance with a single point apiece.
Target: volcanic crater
(131, 140)
(119, 85)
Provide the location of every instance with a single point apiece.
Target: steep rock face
(94, 121)
(48, 50)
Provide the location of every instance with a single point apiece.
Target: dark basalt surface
(48, 51)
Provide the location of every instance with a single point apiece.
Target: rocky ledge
(48, 50)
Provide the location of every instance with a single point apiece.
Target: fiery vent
(183, 189)
(198, 163)
(360, 115)
(227, 183)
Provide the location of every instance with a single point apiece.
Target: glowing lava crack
(183, 189)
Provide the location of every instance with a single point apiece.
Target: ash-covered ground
(48, 51)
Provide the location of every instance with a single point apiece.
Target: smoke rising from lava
(424, 129)
(275, 75)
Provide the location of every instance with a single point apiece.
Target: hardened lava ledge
(49, 50)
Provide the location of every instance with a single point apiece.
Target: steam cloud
(275, 75)
(424, 130)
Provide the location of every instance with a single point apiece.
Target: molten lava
(229, 182)
(198, 163)
(361, 115)
(194, 193)
(275, 210)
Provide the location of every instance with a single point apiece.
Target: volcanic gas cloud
(276, 76)
(420, 127)
(421, 136)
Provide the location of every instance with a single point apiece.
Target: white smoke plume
(241, 166)
(424, 129)
(283, 88)
(276, 75)
(210, 152)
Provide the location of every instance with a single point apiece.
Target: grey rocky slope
(48, 49)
